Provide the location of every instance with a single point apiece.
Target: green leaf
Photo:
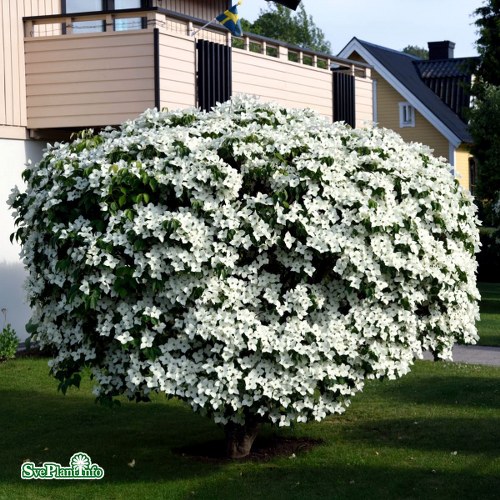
(122, 200)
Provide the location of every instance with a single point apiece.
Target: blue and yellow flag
(231, 20)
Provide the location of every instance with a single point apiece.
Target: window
(132, 23)
(472, 175)
(69, 6)
(406, 115)
(74, 6)
(80, 6)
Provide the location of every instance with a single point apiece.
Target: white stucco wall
(13, 156)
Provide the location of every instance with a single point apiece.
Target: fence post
(110, 22)
(28, 29)
(69, 25)
(283, 52)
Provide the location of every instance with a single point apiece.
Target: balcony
(98, 69)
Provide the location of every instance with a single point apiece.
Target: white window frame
(406, 115)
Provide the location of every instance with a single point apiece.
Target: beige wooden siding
(177, 72)
(388, 100)
(364, 102)
(12, 81)
(196, 8)
(89, 80)
(462, 156)
(291, 84)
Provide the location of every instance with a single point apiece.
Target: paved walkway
(477, 355)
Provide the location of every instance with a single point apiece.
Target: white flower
(288, 240)
(184, 264)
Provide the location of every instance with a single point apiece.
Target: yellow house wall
(462, 156)
(388, 101)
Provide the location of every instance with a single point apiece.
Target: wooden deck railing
(172, 22)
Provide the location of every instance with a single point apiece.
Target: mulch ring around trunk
(265, 448)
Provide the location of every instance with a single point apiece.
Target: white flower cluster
(253, 260)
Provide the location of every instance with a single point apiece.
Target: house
(423, 100)
(73, 64)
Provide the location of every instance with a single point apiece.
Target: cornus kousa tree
(256, 262)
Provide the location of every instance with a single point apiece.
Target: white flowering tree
(256, 262)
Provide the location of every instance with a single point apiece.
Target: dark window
(214, 74)
(472, 175)
(344, 98)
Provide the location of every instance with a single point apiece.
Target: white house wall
(14, 154)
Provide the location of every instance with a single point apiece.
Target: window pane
(133, 23)
(83, 6)
(127, 4)
(88, 27)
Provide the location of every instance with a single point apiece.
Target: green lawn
(434, 434)
(489, 326)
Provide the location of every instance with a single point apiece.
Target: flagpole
(203, 27)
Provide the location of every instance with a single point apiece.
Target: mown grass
(434, 434)
(489, 326)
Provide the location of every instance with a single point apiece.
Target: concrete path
(477, 355)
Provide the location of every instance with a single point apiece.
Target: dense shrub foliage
(253, 261)
(8, 343)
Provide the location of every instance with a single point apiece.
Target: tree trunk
(240, 438)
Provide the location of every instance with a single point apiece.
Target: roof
(446, 68)
(404, 72)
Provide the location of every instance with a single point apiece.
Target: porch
(98, 69)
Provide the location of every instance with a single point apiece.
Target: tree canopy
(257, 262)
(488, 43)
(483, 125)
(415, 50)
(297, 28)
(485, 115)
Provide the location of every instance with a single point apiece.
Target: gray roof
(405, 68)
(457, 67)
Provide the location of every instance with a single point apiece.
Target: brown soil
(265, 448)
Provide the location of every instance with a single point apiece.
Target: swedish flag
(231, 20)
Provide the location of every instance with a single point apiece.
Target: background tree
(485, 115)
(415, 50)
(488, 43)
(297, 28)
(483, 125)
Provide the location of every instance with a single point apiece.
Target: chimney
(441, 50)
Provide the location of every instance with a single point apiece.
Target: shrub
(8, 343)
(254, 261)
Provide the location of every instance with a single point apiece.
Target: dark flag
(291, 4)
